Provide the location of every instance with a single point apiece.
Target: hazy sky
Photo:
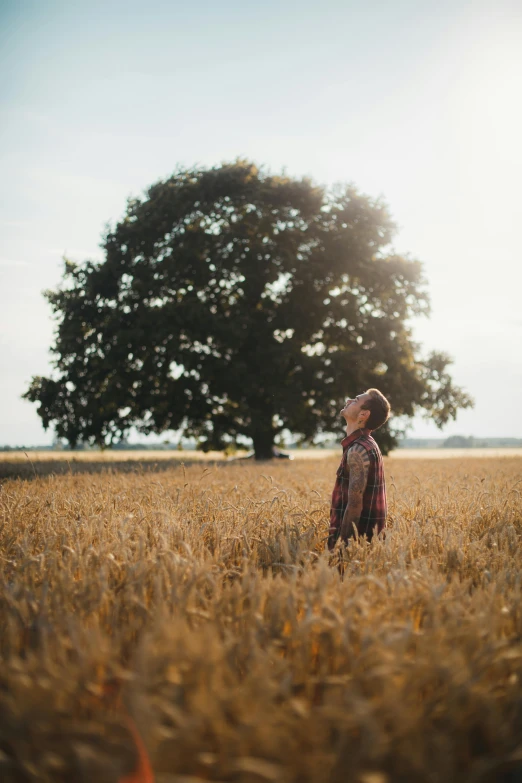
(417, 101)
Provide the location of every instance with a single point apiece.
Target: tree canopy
(232, 303)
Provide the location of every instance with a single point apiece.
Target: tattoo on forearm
(358, 463)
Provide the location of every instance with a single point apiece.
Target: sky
(416, 101)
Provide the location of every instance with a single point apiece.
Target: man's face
(351, 412)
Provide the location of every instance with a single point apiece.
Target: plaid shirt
(373, 515)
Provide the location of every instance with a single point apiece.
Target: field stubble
(199, 606)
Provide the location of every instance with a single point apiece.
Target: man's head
(370, 410)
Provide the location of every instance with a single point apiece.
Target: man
(359, 495)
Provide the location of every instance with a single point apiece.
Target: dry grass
(111, 455)
(203, 595)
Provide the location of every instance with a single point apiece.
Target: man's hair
(379, 408)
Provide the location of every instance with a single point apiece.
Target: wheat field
(191, 620)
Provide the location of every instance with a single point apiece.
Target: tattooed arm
(358, 463)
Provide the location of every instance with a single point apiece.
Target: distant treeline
(460, 442)
(453, 442)
(115, 447)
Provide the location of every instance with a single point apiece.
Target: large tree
(231, 303)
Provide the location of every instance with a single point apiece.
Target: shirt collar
(346, 442)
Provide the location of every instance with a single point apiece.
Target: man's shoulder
(357, 447)
(368, 444)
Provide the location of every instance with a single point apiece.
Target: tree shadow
(16, 469)
(40, 468)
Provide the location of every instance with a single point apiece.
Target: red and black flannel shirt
(373, 515)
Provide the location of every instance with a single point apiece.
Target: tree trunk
(264, 443)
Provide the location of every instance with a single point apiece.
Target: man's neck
(351, 428)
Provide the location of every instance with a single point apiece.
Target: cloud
(76, 253)
(69, 181)
(14, 223)
(13, 262)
